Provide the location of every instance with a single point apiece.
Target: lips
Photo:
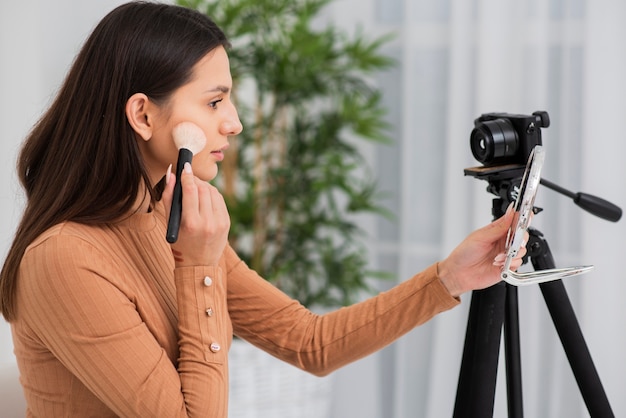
(219, 153)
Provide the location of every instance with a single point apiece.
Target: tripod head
(503, 142)
(503, 182)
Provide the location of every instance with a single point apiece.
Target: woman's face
(205, 101)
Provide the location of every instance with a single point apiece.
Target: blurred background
(456, 60)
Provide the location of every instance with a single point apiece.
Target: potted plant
(294, 178)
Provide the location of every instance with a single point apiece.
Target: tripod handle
(598, 206)
(592, 204)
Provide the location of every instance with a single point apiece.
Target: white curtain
(456, 59)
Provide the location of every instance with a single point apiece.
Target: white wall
(38, 41)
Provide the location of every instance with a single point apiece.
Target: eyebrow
(220, 88)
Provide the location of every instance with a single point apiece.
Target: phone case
(524, 206)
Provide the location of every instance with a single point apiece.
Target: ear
(139, 115)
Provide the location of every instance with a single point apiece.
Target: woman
(108, 319)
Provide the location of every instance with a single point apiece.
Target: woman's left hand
(477, 261)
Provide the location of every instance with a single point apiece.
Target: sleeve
(269, 319)
(72, 296)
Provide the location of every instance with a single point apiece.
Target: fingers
(168, 191)
(191, 211)
(517, 260)
(499, 260)
(215, 207)
(497, 229)
(203, 200)
(204, 208)
(199, 198)
(204, 223)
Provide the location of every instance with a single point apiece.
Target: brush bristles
(189, 135)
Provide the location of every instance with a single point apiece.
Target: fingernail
(499, 258)
(508, 209)
(498, 263)
(187, 168)
(168, 174)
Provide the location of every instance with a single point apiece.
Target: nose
(231, 125)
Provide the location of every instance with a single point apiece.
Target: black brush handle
(184, 156)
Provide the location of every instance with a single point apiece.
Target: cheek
(158, 153)
(163, 146)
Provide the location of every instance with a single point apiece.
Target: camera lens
(493, 141)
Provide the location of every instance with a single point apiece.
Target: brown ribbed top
(106, 326)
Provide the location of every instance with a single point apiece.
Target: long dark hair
(81, 161)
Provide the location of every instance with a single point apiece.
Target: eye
(214, 103)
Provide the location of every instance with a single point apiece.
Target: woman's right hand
(204, 224)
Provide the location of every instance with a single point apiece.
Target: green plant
(294, 177)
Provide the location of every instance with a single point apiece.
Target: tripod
(495, 308)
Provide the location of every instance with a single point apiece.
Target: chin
(207, 174)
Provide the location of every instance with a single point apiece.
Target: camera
(505, 138)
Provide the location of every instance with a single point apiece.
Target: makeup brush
(189, 140)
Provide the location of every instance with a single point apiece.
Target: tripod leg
(479, 365)
(576, 349)
(513, 354)
(569, 332)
